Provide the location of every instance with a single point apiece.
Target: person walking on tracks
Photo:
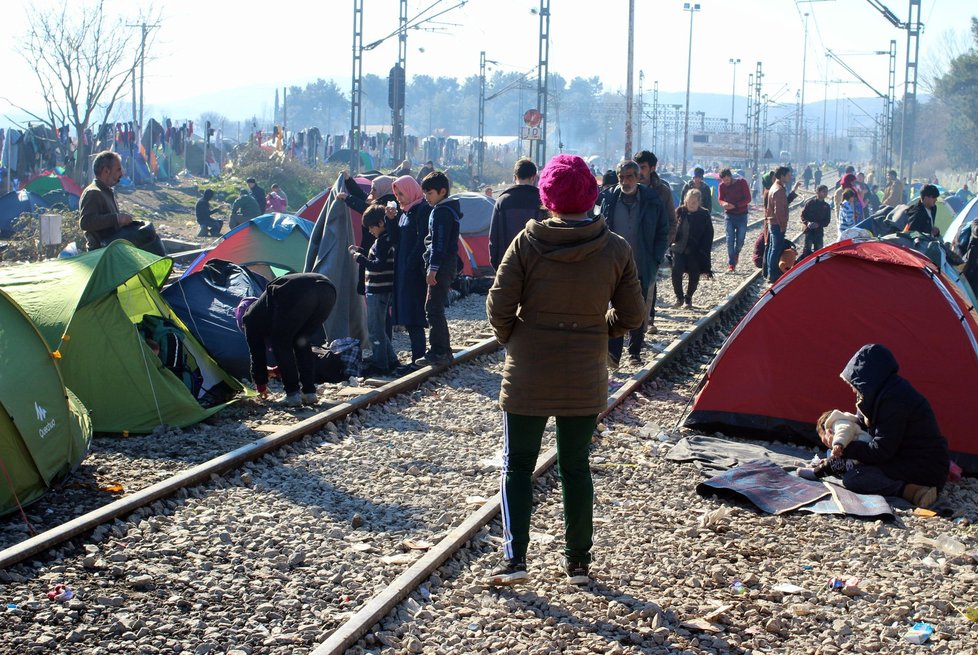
(288, 316)
(549, 305)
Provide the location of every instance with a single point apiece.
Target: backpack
(174, 355)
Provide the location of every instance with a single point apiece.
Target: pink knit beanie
(567, 186)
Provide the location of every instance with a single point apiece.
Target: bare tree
(83, 60)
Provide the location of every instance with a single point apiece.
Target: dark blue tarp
(205, 302)
(14, 204)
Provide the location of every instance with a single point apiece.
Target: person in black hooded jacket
(907, 456)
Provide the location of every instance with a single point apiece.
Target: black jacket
(918, 218)
(515, 206)
(277, 312)
(694, 237)
(817, 211)
(203, 211)
(259, 194)
(441, 244)
(907, 443)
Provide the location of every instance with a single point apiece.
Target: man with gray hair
(101, 219)
(635, 212)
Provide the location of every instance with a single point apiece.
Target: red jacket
(737, 193)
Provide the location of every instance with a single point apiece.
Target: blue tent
(205, 302)
(15, 203)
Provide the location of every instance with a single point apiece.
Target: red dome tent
(779, 369)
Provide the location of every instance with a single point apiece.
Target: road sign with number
(531, 133)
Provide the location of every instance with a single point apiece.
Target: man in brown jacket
(893, 195)
(549, 305)
(100, 216)
(776, 220)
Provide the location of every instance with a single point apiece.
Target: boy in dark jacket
(907, 456)
(379, 266)
(202, 210)
(440, 258)
(816, 216)
(514, 207)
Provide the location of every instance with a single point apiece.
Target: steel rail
(230, 460)
(383, 602)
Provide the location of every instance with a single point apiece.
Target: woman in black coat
(907, 457)
(408, 227)
(691, 251)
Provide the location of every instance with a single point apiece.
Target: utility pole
(641, 113)
(825, 103)
(479, 144)
(397, 133)
(733, 91)
(692, 8)
(138, 124)
(655, 114)
(356, 92)
(629, 90)
(758, 77)
(747, 122)
(800, 150)
(913, 26)
(542, 80)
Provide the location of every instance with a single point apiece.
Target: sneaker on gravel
(293, 399)
(677, 305)
(651, 329)
(730, 268)
(635, 360)
(309, 398)
(577, 572)
(509, 572)
(613, 362)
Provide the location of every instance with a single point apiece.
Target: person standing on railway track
(514, 207)
(408, 226)
(647, 163)
(776, 219)
(734, 196)
(549, 305)
(635, 212)
(287, 316)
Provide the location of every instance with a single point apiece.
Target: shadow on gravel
(617, 630)
(308, 489)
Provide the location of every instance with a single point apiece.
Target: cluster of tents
(78, 361)
(43, 191)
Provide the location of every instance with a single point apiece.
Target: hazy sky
(236, 51)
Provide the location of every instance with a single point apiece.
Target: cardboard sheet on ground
(723, 454)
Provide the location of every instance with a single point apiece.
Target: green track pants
(522, 436)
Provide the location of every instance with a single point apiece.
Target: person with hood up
(441, 262)
(907, 456)
(408, 226)
(514, 207)
(564, 287)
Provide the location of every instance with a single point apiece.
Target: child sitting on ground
(836, 429)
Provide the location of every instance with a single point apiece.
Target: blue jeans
(775, 246)
(382, 353)
(736, 232)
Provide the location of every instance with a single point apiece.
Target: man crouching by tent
(288, 316)
(100, 216)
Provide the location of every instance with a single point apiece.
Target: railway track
(154, 510)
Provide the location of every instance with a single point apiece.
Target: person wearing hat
(288, 317)
(706, 193)
(243, 209)
(635, 212)
(257, 192)
(565, 285)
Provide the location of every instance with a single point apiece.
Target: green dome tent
(88, 309)
(44, 429)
